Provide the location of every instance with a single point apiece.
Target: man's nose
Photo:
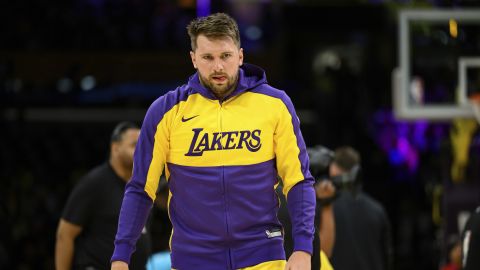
(218, 65)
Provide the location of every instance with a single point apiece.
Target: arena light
(88, 83)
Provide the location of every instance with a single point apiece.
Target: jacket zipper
(224, 187)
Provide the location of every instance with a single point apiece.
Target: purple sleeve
(133, 215)
(136, 201)
(301, 207)
(301, 198)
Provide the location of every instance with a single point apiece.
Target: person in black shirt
(88, 225)
(471, 242)
(362, 238)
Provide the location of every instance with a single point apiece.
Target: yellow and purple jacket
(221, 160)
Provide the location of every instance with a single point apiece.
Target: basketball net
(461, 137)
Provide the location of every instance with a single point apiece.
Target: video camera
(321, 158)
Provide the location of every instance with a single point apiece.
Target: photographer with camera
(353, 227)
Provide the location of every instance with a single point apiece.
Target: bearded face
(217, 62)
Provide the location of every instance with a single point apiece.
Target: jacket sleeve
(292, 165)
(149, 161)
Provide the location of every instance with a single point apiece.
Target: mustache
(218, 74)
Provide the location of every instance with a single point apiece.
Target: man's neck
(225, 94)
(122, 172)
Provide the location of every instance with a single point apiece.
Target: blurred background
(71, 69)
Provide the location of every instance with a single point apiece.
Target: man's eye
(207, 57)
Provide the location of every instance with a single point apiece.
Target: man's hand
(325, 189)
(119, 265)
(299, 260)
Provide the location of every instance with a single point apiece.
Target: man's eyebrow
(203, 54)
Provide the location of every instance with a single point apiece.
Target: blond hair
(215, 26)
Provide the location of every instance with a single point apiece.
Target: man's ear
(240, 55)
(113, 147)
(194, 62)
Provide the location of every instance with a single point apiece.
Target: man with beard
(86, 230)
(222, 139)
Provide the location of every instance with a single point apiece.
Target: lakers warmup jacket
(222, 160)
